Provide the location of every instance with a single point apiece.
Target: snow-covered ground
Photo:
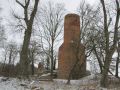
(87, 83)
(11, 84)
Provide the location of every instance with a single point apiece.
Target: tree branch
(27, 3)
(116, 23)
(20, 3)
(105, 25)
(26, 11)
(34, 11)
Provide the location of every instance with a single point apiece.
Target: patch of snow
(45, 74)
(11, 84)
(87, 83)
(82, 81)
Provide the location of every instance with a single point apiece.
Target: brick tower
(71, 50)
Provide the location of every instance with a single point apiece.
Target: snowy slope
(87, 83)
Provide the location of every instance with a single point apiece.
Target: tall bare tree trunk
(52, 58)
(99, 60)
(104, 79)
(118, 60)
(109, 50)
(32, 65)
(24, 60)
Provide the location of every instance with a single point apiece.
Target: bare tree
(34, 52)
(29, 20)
(10, 55)
(2, 36)
(118, 58)
(109, 48)
(91, 32)
(51, 20)
(13, 52)
(2, 32)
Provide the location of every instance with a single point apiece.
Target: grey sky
(8, 5)
(71, 5)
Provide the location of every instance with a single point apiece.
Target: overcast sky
(8, 5)
(71, 5)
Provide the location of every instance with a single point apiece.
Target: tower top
(71, 28)
(72, 15)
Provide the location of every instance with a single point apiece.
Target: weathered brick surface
(68, 51)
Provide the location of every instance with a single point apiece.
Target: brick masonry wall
(68, 50)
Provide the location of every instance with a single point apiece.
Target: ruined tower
(71, 50)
